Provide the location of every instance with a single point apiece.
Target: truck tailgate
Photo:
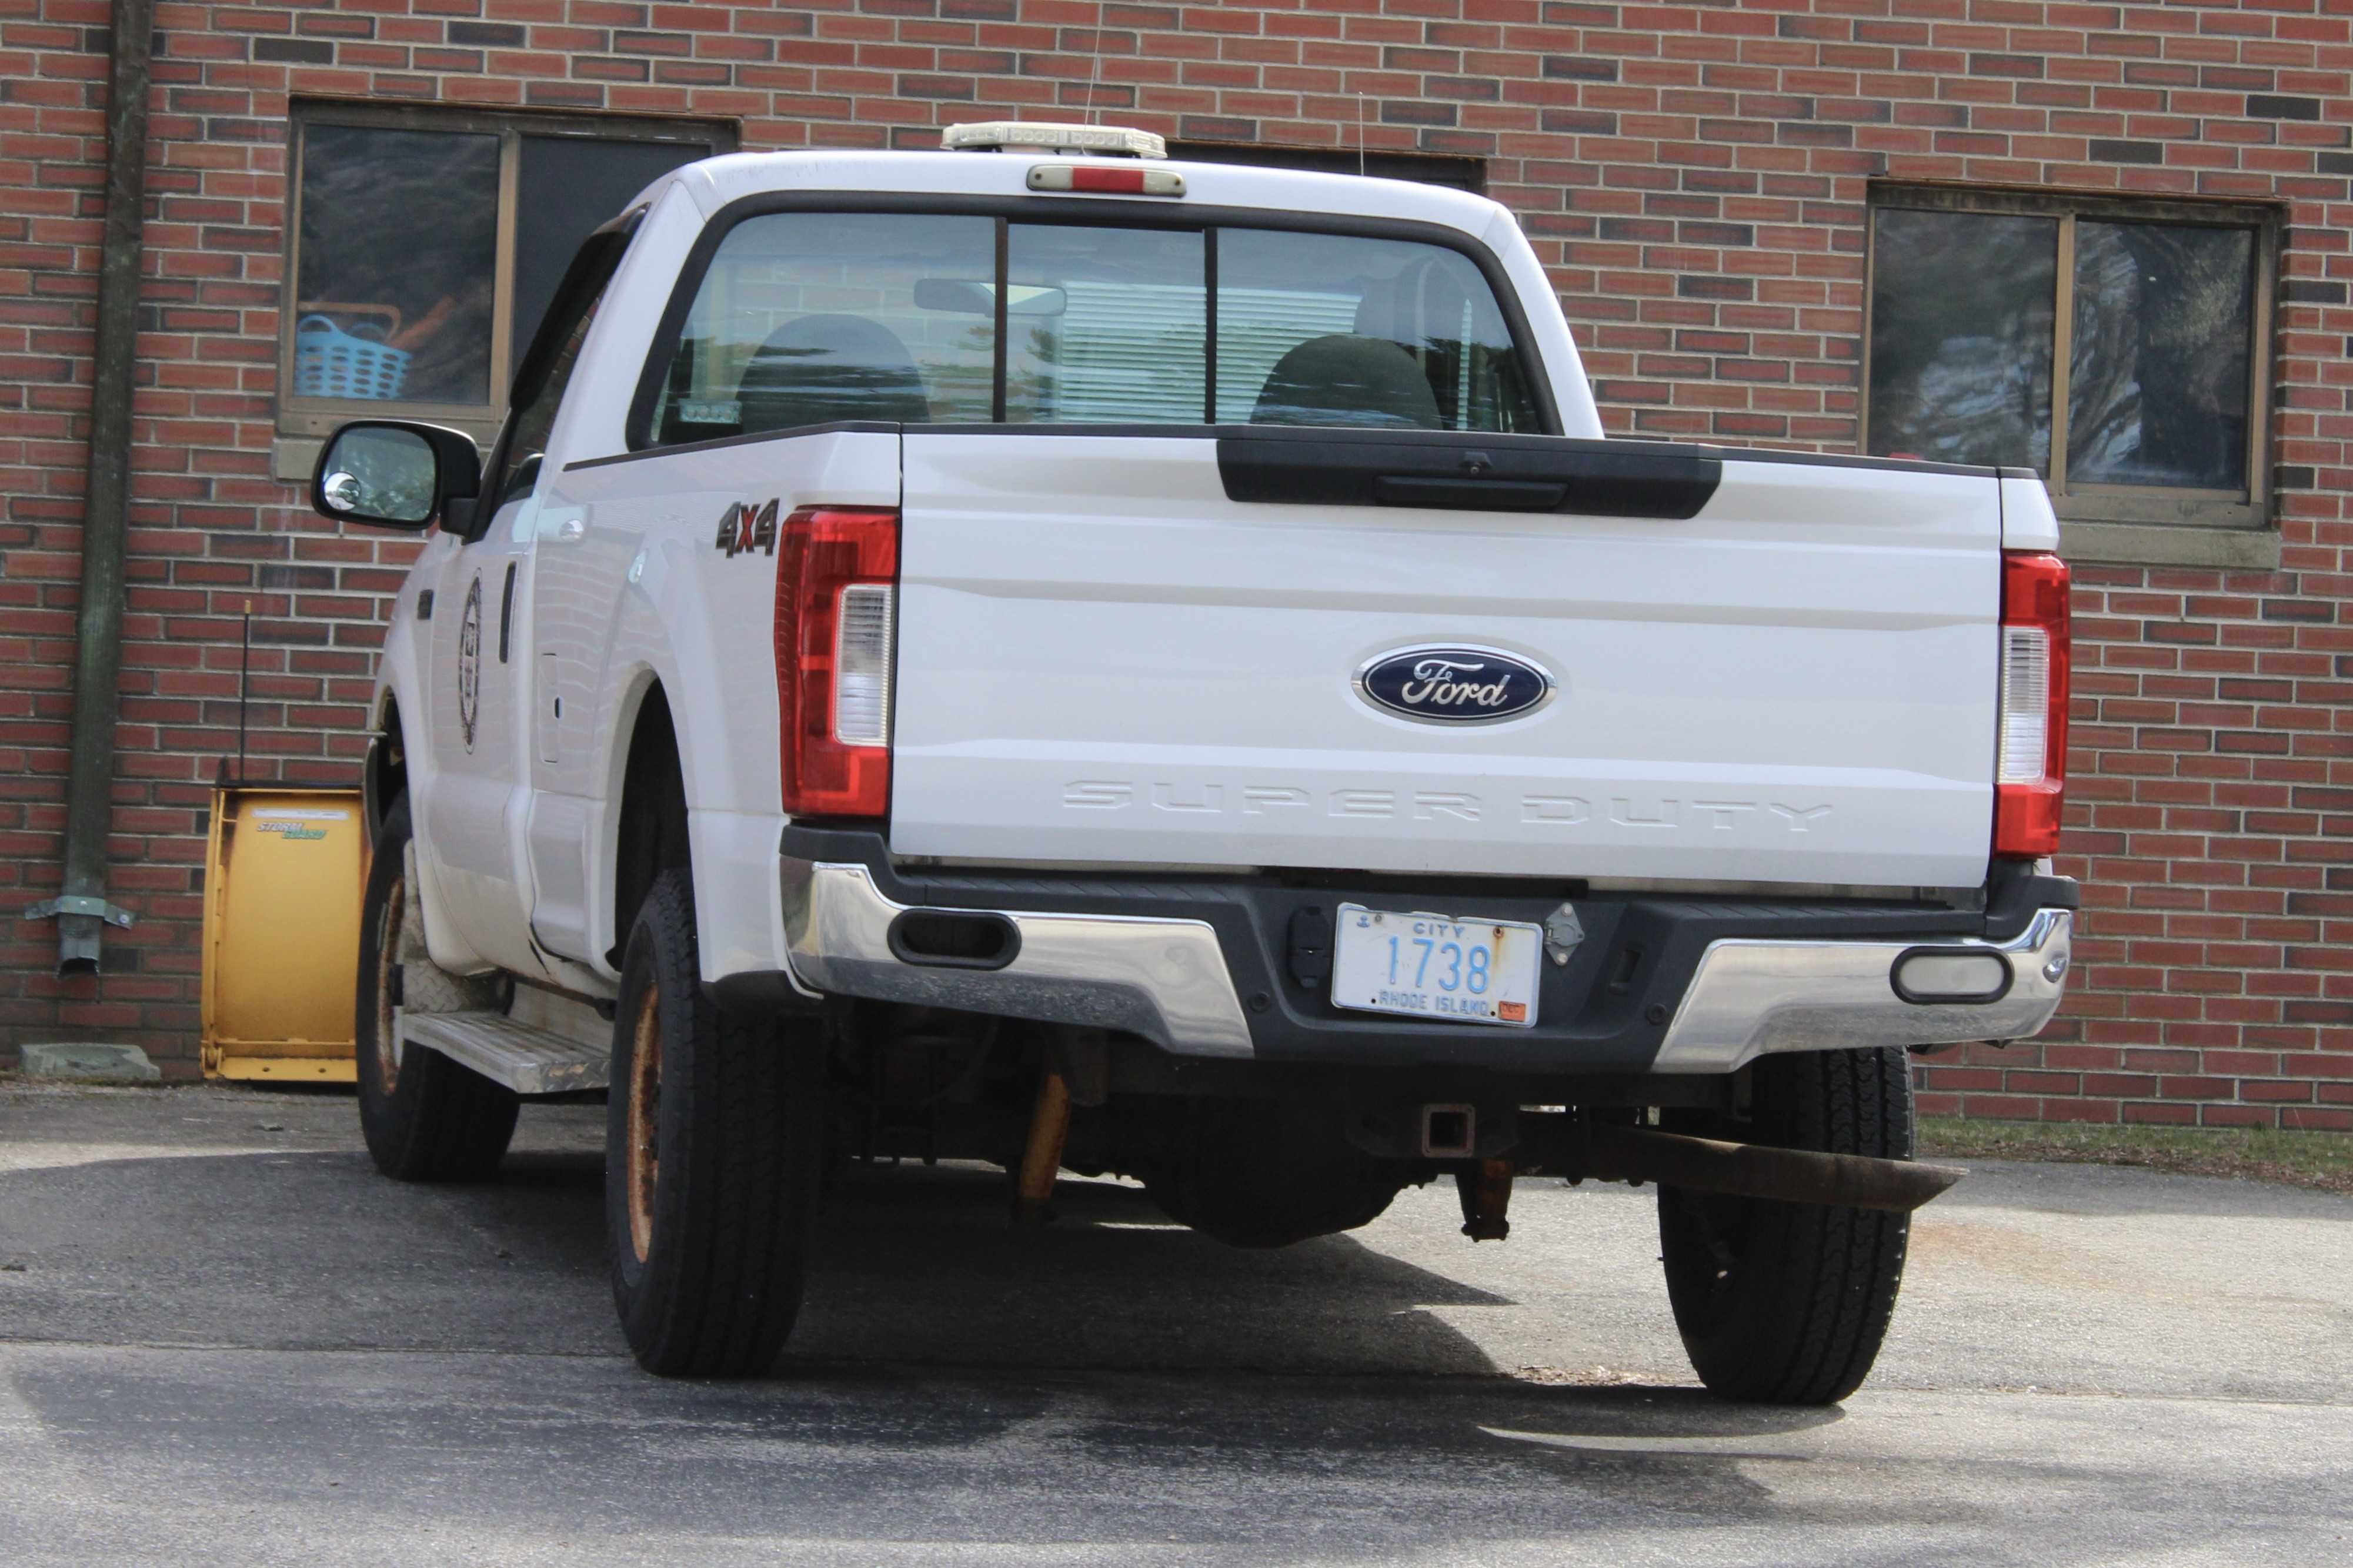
(1104, 659)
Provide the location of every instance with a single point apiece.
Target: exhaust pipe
(1554, 1145)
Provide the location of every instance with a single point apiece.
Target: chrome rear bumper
(1168, 979)
(1163, 979)
(1753, 998)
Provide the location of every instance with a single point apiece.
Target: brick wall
(1694, 175)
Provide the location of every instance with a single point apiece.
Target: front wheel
(715, 1136)
(424, 1117)
(1787, 1303)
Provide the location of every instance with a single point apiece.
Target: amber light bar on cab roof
(1041, 136)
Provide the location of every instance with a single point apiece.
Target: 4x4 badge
(743, 527)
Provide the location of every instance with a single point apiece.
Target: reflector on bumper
(1928, 977)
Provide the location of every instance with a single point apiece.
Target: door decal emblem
(470, 662)
(1453, 685)
(743, 528)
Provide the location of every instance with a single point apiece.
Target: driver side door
(475, 676)
(482, 670)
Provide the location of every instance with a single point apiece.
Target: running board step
(523, 1056)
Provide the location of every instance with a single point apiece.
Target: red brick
(1695, 180)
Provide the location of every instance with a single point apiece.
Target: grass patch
(2323, 1159)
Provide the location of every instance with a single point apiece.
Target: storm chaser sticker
(470, 662)
(743, 528)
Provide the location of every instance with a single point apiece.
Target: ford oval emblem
(1456, 685)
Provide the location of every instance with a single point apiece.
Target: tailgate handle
(1467, 472)
(1468, 495)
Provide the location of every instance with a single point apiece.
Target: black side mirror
(394, 473)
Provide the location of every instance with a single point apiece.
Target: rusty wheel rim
(645, 1117)
(388, 965)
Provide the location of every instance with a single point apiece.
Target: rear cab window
(807, 318)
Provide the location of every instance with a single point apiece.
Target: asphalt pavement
(224, 1340)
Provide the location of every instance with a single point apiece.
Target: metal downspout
(98, 657)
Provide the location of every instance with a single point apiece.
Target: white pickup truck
(1036, 653)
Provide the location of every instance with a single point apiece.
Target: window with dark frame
(2119, 347)
(423, 244)
(812, 316)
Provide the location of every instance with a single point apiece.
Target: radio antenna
(1095, 65)
(1360, 136)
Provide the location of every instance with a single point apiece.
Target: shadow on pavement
(315, 1250)
(921, 1265)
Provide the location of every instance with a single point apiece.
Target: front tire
(1787, 1303)
(426, 1118)
(713, 1145)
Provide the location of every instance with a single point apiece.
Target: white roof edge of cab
(716, 182)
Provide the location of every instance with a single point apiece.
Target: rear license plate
(1429, 966)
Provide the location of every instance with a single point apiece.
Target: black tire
(1265, 1172)
(1787, 1303)
(426, 1118)
(714, 1137)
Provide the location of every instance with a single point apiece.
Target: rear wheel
(715, 1136)
(426, 1118)
(1787, 1303)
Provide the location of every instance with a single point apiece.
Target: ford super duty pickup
(1040, 654)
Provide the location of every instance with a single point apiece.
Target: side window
(808, 318)
(529, 425)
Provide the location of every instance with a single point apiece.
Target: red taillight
(837, 602)
(2031, 769)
